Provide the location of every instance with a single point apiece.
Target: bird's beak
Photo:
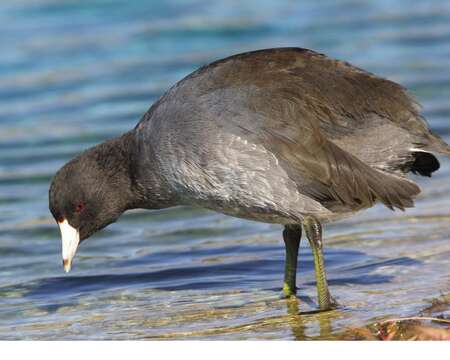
(70, 239)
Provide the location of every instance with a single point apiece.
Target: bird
(286, 136)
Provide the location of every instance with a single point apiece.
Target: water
(74, 73)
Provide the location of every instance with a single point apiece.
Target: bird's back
(341, 99)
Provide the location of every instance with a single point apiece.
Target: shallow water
(73, 73)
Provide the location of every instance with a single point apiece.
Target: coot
(286, 136)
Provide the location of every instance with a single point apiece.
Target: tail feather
(423, 163)
(437, 145)
(422, 160)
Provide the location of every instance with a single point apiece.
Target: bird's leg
(313, 230)
(291, 236)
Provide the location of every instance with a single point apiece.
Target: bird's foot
(288, 292)
(328, 305)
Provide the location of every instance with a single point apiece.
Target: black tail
(423, 163)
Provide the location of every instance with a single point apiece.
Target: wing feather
(296, 95)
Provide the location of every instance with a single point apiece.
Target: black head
(90, 192)
(82, 195)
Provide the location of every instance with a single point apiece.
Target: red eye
(79, 208)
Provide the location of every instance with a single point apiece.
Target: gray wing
(321, 169)
(284, 104)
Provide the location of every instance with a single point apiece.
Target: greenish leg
(313, 230)
(291, 236)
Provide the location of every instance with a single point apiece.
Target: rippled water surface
(73, 73)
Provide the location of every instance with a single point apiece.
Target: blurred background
(74, 73)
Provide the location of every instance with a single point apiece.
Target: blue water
(74, 73)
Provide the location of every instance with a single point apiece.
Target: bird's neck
(142, 187)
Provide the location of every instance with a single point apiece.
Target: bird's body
(278, 134)
(285, 136)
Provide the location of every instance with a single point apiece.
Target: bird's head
(88, 193)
